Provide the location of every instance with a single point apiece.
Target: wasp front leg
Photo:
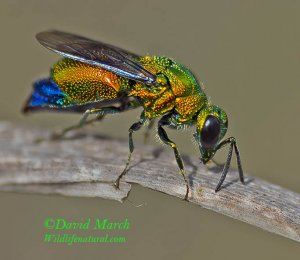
(135, 127)
(232, 142)
(164, 137)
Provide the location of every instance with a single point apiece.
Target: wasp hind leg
(164, 137)
(82, 123)
(100, 114)
(135, 127)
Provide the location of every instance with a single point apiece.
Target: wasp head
(212, 125)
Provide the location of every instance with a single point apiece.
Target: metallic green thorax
(180, 94)
(178, 90)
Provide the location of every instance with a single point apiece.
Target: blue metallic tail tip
(45, 93)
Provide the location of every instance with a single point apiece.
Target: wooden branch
(88, 165)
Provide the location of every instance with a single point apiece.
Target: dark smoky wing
(106, 56)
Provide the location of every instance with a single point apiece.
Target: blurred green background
(247, 54)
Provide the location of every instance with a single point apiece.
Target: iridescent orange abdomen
(83, 82)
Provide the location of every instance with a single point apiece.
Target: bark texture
(88, 165)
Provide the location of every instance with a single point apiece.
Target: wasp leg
(135, 127)
(100, 113)
(232, 142)
(147, 133)
(83, 122)
(164, 137)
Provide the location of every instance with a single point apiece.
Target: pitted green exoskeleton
(95, 78)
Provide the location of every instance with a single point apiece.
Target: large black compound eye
(210, 132)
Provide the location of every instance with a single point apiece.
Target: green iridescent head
(212, 125)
